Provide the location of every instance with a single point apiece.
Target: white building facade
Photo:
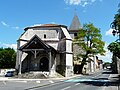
(45, 48)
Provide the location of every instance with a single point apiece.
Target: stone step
(34, 75)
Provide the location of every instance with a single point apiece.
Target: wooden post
(20, 63)
(35, 54)
(50, 56)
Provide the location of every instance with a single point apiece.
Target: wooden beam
(33, 50)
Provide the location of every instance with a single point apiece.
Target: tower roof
(75, 25)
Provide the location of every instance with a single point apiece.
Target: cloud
(72, 2)
(16, 27)
(53, 22)
(7, 25)
(41, 24)
(4, 24)
(108, 55)
(109, 32)
(83, 3)
(4, 45)
(37, 25)
(93, 0)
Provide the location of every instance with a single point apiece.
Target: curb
(55, 82)
(19, 79)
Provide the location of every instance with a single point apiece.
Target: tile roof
(45, 25)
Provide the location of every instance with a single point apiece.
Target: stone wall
(115, 64)
(118, 65)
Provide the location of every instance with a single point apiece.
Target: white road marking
(77, 84)
(97, 75)
(37, 81)
(20, 81)
(104, 88)
(66, 88)
(4, 82)
(51, 81)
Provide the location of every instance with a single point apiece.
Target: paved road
(24, 84)
(96, 81)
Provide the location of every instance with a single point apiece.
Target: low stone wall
(34, 75)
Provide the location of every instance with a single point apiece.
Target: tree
(7, 58)
(115, 25)
(114, 47)
(90, 40)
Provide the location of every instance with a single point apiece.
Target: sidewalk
(22, 79)
(115, 82)
(114, 76)
(26, 84)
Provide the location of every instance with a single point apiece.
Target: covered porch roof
(36, 44)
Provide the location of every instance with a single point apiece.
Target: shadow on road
(108, 72)
(102, 82)
(114, 80)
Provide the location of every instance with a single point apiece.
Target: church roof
(44, 26)
(75, 25)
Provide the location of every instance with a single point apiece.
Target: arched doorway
(44, 64)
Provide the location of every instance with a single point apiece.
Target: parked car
(9, 74)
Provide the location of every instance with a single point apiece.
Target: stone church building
(45, 48)
(50, 49)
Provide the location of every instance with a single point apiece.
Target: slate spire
(75, 25)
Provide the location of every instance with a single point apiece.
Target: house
(45, 48)
(100, 64)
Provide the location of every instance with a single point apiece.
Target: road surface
(96, 81)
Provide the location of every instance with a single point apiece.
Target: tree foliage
(7, 58)
(114, 47)
(90, 40)
(116, 24)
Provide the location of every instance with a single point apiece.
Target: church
(49, 49)
(45, 48)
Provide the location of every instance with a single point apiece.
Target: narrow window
(44, 35)
(75, 34)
